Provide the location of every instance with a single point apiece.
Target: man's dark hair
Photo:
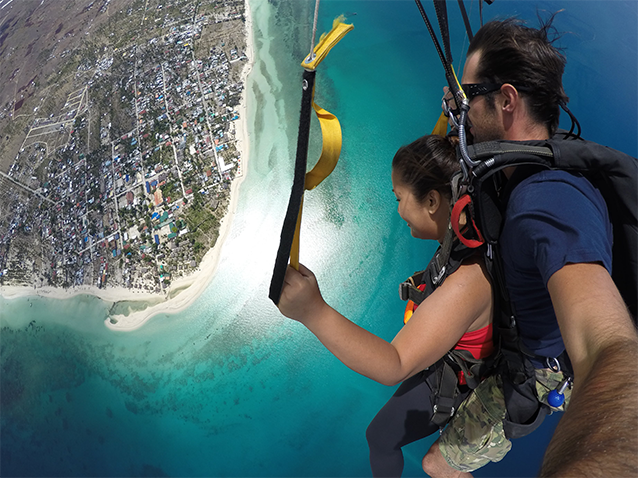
(526, 58)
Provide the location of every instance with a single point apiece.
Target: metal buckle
(449, 111)
(404, 290)
(435, 280)
(552, 363)
(435, 408)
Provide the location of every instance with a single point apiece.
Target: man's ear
(510, 97)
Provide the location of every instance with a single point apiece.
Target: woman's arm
(436, 326)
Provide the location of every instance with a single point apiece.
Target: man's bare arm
(598, 435)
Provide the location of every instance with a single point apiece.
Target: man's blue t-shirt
(553, 218)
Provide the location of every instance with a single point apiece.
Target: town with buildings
(125, 181)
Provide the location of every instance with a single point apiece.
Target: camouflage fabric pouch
(478, 432)
(475, 436)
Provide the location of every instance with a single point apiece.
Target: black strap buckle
(404, 290)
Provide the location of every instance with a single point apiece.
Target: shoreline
(187, 288)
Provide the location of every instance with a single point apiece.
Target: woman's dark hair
(426, 164)
(524, 57)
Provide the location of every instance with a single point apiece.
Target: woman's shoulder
(473, 264)
(472, 275)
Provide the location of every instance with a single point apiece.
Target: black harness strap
(294, 203)
(447, 259)
(444, 381)
(444, 385)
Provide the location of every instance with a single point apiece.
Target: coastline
(185, 290)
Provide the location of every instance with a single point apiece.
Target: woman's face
(421, 217)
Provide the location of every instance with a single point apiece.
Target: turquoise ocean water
(229, 387)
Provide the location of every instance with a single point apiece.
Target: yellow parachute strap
(331, 149)
(458, 84)
(294, 249)
(330, 129)
(331, 133)
(327, 41)
(441, 125)
(459, 94)
(288, 252)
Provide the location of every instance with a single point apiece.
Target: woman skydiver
(457, 314)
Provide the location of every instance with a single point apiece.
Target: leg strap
(444, 383)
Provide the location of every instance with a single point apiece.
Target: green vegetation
(199, 218)
(170, 190)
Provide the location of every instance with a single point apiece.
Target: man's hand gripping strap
(331, 132)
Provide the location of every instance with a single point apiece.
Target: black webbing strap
(435, 40)
(466, 20)
(473, 369)
(441, 15)
(408, 289)
(489, 2)
(446, 390)
(296, 195)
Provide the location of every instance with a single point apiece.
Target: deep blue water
(229, 387)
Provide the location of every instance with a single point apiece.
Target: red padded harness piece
(461, 204)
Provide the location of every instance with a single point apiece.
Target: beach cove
(227, 386)
(132, 307)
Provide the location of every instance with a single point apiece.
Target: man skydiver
(556, 252)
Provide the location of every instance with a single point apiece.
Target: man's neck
(523, 129)
(529, 132)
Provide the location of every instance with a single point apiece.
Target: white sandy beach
(182, 291)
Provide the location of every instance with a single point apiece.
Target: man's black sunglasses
(472, 90)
